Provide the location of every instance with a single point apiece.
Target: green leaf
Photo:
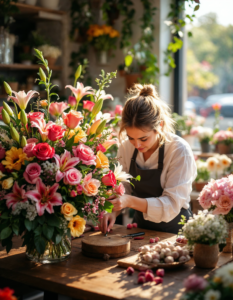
(70, 142)
(41, 220)
(48, 231)
(138, 178)
(190, 34)
(39, 243)
(15, 229)
(196, 7)
(38, 230)
(5, 128)
(128, 60)
(28, 224)
(5, 233)
(53, 220)
(58, 239)
(108, 206)
(5, 215)
(84, 168)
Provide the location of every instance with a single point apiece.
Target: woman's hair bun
(144, 90)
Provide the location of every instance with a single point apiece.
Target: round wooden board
(98, 245)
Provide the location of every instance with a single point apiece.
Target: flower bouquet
(204, 135)
(223, 140)
(55, 174)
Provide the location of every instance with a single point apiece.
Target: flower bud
(5, 117)
(7, 183)
(7, 88)
(23, 117)
(14, 134)
(23, 142)
(78, 72)
(42, 75)
(7, 109)
(97, 108)
(100, 127)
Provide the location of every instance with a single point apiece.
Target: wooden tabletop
(82, 277)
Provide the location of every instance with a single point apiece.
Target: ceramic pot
(205, 147)
(205, 256)
(51, 61)
(229, 239)
(199, 185)
(190, 139)
(51, 4)
(223, 149)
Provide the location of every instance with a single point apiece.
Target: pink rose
(28, 149)
(100, 148)
(119, 189)
(72, 101)
(220, 211)
(57, 108)
(79, 189)
(73, 193)
(118, 110)
(72, 119)
(195, 283)
(43, 151)
(109, 179)
(72, 177)
(90, 186)
(32, 173)
(224, 202)
(55, 133)
(32, 140)
(35, 116)
(88, 105)
(2, 152)
(1, 108)
(85, 154)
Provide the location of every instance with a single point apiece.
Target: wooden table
(85, 278)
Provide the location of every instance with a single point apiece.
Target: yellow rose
(77, 226)
(101, 160)
(7, 183)
(79, 134)
(68, 210)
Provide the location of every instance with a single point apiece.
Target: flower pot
(190, 139)
(130, 79)
(53, 253)
(200, 185)
(51, 4)
(102, 57)
(205, 147)
(121, 72)
(205, 256)
(229, 239)
(51, 61)
(223, 149)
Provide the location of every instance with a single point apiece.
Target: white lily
(121, 175)
(102, 95)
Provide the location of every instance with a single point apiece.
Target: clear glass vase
(53, 253)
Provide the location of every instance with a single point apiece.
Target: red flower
(43, 151)
(100, 148)
(109, 179)
(88, 105)
(56, 132)
(7, 294)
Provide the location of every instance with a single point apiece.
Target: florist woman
(163, 160)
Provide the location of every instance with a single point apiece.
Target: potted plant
(223, 140)
(203, 175)
(204, 135)
(103, 38)
(217, 197)
(51, 53)
(205, 231)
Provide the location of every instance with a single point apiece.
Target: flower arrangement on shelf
(55, 174)
(204, 134)
(224, 137)
(220, 286)
(102, 37)
(203, 173)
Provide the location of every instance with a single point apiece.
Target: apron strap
(161, 157)
(135, 155)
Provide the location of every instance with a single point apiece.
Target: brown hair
(144, 109)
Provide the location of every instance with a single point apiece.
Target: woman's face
(143, 140)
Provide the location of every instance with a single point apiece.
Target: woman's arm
(129, 201)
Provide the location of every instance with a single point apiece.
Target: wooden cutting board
(97, 245)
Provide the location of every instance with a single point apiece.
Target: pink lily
(22, 99)
(18, 195)
(80, 91)
(64, 162)
(43, 127)
(45, 197)
(107, 144)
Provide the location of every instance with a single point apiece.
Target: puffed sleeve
(178, 186)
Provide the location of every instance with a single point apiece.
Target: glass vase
(53, 253)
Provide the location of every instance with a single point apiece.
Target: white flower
(60, 122)
(225, 161)
(204, 132)
(102, 95)
(121, 175)
(226, 274)
(212, 295)
(212, 164)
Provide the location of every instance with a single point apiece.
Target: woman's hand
(107, 222)
(120, 203)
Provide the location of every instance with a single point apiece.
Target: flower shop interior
(66, 70)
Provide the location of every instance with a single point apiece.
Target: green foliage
(7, 8)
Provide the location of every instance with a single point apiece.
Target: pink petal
(71, 163)
(65, 157)
(53, 189)
(59, 176)
(40, 208)
(11, 202)
(41, 187)
(57, 160)
(49, 208)
(56, 199)
(33, 195)
(108, 96)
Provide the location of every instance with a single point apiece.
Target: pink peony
(88, 105)
(32, 173)
(2, 152)
(100, 148)
(28, 149)
(195, 283)
(57, 108)
(72, 176)
(119, 189)
(85, 154)
(118, 110)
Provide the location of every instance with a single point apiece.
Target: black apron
(150, 186)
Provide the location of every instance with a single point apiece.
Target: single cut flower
(121, 175)
(65, 162)
(22, 99)
(80, 91)
(18, 195)
(45, 197)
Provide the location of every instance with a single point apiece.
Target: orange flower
(77, 226)
(216, 106)
(72, 119)
(68, 210)
(44, 103)
(101, 160)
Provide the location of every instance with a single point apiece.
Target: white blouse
(179, 171)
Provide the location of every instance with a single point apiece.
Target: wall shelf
(32, 9)
(26, 67)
